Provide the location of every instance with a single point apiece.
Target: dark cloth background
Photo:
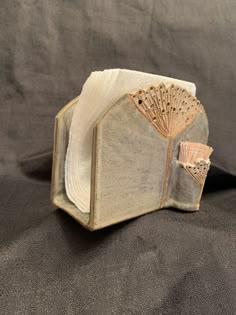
(166, 262)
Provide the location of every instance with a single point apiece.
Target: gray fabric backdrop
(166, 262)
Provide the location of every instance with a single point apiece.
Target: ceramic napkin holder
(149, 152)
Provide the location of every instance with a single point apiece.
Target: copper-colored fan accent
(194, 157)
(199, 170)
(170, 109)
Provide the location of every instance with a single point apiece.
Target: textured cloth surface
(167, 262)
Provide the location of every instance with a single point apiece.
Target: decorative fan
(194, 157)
(170, 109)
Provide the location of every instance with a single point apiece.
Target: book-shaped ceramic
(148, 152)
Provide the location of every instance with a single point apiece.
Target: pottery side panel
(130, 165)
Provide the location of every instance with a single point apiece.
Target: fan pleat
(195, 159)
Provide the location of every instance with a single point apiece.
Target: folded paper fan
(131, 143)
